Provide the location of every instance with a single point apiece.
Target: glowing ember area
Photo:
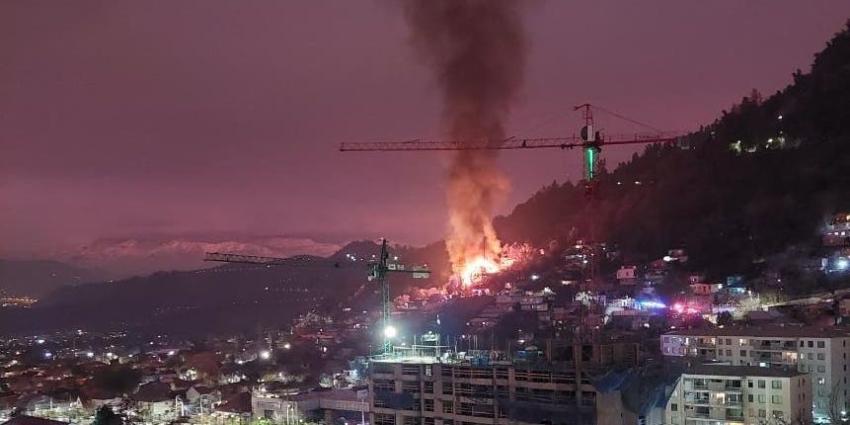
(474, 270)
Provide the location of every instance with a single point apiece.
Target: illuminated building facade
(740, 395)
(821, 352)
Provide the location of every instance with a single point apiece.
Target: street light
(265, 354)
(390, 332)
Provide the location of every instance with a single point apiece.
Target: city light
(842, 263)
(652, 304)
(265, 354)
(287, 346)
(390, 331)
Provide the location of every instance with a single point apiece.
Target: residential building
(202, 399)
(627, 275)
(821, 352)
(155, 401)
(704, 288)
(740, 395)
(235, 409)
(837, 231)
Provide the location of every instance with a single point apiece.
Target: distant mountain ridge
(37, 278)
(229, 297)
(125, 257)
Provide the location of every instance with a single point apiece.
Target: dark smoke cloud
(477, 50)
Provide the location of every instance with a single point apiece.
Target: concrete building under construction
(425, 385)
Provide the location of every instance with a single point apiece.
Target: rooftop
(238, 403)
(442, 355)
(724, 370)
(788, 331)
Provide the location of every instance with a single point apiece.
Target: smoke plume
(477, 51)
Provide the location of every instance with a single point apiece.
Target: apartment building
(740, 395)
(820, 352)
(477, 388)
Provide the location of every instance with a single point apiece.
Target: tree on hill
(121, 380)
(105, 416)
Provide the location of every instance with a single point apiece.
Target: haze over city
(168, 121)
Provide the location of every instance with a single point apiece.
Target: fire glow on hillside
(474, 270)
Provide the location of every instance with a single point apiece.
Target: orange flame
(476, 268)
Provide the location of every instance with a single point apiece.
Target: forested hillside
(760, 179)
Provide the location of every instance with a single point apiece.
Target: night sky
(214, 117)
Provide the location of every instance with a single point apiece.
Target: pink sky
(139, 118)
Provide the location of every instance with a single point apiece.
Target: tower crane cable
(625, 118)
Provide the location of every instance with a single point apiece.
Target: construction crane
(378, 270)
(589, 139)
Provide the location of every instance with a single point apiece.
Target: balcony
(696, 415)
(735, 414)
(698, 386)
(774, 345)
(723, 387)
(715, 413)
(697, 400)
